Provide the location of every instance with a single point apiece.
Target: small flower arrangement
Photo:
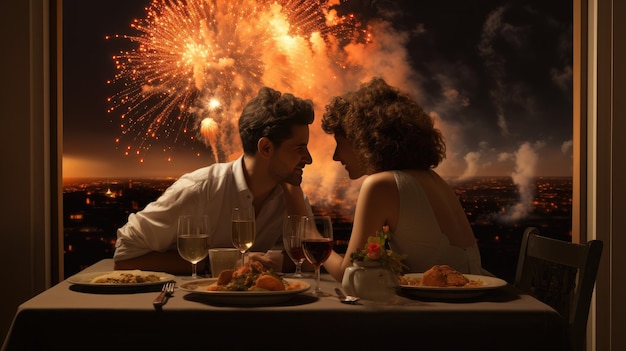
(376, 250)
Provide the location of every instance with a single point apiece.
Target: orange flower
(374, 251)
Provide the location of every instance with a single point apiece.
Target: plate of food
(120, 278)
(244, 297)
(443, 282)
(249, 285)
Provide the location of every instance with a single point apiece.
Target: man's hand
(272, 259)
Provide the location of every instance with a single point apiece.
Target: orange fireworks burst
(200, 60)
(209, 130)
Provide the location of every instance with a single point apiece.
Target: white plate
(85, 278)
(437, 292)
(243, 297)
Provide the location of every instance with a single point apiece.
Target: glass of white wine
(243, 229)
(193, 240)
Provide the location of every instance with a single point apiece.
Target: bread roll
(443, 276)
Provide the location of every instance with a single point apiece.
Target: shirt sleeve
(154, 227)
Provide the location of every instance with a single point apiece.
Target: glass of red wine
(293, 233)
(317, 246)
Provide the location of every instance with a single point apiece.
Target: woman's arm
(376, 206)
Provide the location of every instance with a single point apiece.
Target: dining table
(71, 316)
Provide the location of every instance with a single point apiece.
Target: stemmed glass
(193, 240)
(293, 232)
(243, 229)
(317, 246)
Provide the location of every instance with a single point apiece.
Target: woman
(384, 134)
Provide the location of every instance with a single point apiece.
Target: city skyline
(496, 76)
(94, 209)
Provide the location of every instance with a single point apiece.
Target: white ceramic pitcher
(370, 281)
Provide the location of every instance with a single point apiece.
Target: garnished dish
(120, 278)
(251, 284)
(443, 282)
(251, 277)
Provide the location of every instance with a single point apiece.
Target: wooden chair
(562, 275)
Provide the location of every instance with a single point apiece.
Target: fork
(166, 292)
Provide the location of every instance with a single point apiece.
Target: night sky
(495, 75)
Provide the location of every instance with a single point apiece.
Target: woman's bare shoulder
(380, 180)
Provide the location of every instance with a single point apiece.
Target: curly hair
(387, 128)
(271, 114)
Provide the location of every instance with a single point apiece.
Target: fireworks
(197, 62)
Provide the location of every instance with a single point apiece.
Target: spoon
(346, 299)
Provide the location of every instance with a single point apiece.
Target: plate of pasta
(120, 278)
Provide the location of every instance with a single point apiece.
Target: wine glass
(293, 231)
(243, 229)
(317, 246)
(193, 240)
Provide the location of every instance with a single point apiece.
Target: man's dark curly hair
(387, 128)
(271, 114)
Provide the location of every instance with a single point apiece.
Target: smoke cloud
(479, 99)
(523, 176)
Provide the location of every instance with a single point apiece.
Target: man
(274, 131)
